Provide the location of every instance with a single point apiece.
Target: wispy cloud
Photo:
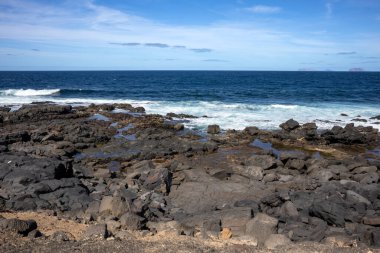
(214, 60)
(346, 53)
(162, 45)
(264, 9)
(74, 31)
(201, 50)
(129, 44)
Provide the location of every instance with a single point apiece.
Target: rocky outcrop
(140, 172)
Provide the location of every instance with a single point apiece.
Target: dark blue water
(251, 91)
(242, 87)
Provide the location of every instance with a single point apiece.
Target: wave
(284, 106)
(29, 92)
(228, 115)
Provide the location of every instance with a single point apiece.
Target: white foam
(284, 106)
(28, 92)
(232, 115)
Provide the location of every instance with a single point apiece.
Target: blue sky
(189, 35)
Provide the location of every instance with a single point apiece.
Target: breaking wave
(28, 92)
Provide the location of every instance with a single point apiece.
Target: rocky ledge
(118, 169)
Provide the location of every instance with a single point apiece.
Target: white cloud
(264, 9)
(84, 29)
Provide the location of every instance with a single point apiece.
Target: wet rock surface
(131, 171)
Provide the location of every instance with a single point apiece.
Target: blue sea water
(233, 99)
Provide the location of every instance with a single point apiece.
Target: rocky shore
(122, 172)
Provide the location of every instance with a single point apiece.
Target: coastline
(135, 171)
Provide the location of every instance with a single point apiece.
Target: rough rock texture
(127, 172)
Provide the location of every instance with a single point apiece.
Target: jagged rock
(261, 227)
(19, 226)
(159, 179)
(311, 229)
(331, 212)
(351, 135)
(180, 115)
(290, 125)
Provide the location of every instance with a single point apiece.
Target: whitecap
(28, 92)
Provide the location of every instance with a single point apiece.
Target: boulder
(263, 161)
(131, 221)
(288, 209)
(198, 197)
(252, 172)
(295, 164)
(352, 196)
(331, 212)
(158, 179)
(311, 229)
(179, 127)
(236, 219)
(98, 231)
(213, 129)
(261, 227)
(19, 226)
(116, 205)
(370, 178)
(290, 125)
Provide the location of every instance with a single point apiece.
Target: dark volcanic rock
(213, 129)
(19, 226)
(351, 135)
(263, 161)
(96, 232)
(181, 115)
(290, 125)
(331, 212)
(311, 229)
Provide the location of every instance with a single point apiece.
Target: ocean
(232, 99)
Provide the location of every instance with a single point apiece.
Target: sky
(190, 35)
